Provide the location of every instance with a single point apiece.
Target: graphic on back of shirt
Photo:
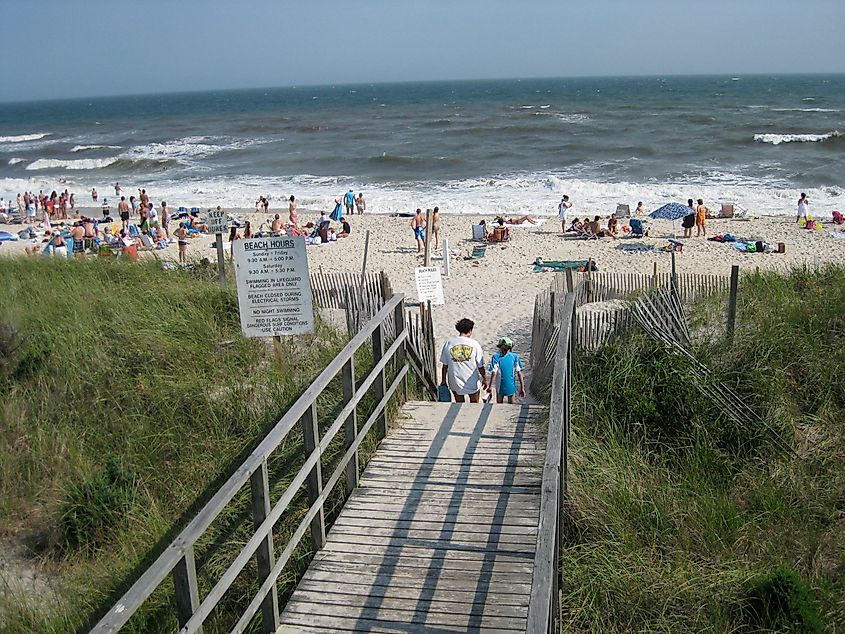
(461, 352)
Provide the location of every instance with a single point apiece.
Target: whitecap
(545, 106)
(15, 161)
(777, 139)
(23, 137)
(77, 164)
(83, 148)
(573, 118)
(805, 110)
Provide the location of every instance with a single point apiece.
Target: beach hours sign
(274, 290)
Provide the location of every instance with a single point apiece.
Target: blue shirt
(350, 198)
(507, 366)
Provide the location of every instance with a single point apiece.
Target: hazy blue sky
(63, 48)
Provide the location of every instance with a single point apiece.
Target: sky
(118, 47)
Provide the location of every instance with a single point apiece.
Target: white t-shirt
(463, 357)
(562, 208)
(802, 208)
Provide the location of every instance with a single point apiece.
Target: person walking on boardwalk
(463, 364)
(507, 368)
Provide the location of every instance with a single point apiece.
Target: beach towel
(5, 236)
(444, 395)
(635, 248)
(837, 234)
(337, 214)
(558, 266)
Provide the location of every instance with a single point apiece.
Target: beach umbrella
(672, 211)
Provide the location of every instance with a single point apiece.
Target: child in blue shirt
(506, 366)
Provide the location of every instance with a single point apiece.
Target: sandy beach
(498, 291)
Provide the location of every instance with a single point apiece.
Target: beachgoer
(181, 234)
(463, 364)
(803, 202)
(133, 204)
(78, 235)
(701, 219)
(689, 220)
(72, 202)
(276, 225)
(576, 225)
(123, 210)
(360, 203)
(418, 225)
(117, 189)
(347, 229)
(247, 230)
(562, 208)
(293, 216)
(612, 226)
(94, 194)
(349, 201)
(506, 365)
(435, 227)
(337, 213)
(516, 221)
(152, 216)
(145, 199)
(165, 219)
(106, 208)
(640, 210)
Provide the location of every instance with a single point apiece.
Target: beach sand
(498, 291)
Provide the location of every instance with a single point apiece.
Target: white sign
(274, 290)
(217, 221)
(429, 285)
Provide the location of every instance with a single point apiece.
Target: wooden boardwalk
(440, 536)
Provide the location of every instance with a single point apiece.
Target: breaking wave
(777, 139)
(78, 164)
(23, 137)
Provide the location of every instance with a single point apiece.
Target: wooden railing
(544, 604)
(178, 561)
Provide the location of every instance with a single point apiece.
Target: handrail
(543, 602)
(177, 558)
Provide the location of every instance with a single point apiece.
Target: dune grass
(129, 396)
(680, 520)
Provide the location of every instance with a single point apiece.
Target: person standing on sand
(418, 225)
(562, 208)
(463, 364)
(803, 202)
(165, 219)
(435, 227)
(181, 234)
(349, 201)
(123, 210)
(360, 203)
(701, 219)
(293, 216)
(94, 194)
(689, 220)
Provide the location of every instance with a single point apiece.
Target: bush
(782, 601)
(95, 506)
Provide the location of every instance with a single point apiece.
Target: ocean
(512, 146)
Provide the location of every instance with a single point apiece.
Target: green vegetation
(129, 397)
(681, 520)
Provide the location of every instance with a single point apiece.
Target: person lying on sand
(516, 221)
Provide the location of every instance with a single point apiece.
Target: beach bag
(444, 395)
(751, 248)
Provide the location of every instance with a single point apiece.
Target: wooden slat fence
(178, 560)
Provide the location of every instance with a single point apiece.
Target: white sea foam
(187, 149)
(23, 137)
(15, 161)
(777, 139)
(83, 148)
(68, 164)
(573, 118)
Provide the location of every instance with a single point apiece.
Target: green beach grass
(129, 397)
(680, 520)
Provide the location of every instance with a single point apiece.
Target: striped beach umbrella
(672, 211)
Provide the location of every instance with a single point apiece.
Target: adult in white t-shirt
(463, 364)
(802, 207)
(562, 208)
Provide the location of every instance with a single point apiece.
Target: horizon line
(418, 81)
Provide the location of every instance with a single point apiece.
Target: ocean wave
(23, 137)
(68, 164)
(572, 118)
(394, 159)
(777, 139)
(83, 148)
(805, 110)
(15, 161)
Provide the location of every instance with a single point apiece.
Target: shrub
(782, 601)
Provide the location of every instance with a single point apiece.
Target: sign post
(218, 223)
(274, 289)
(429, 285)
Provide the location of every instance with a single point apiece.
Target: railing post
(185, 588)
(732, 297)
(350, 426)
(314, 483)
(259, 484)
(381, 383)
(399, 323)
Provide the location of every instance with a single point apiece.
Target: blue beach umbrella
(672, 211)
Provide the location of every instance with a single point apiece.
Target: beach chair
(479, 232)
(587, 234)
(623, 211)
(637, 229)
(727, 210)
(147, 241)
(134, 232)
(478, 252)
